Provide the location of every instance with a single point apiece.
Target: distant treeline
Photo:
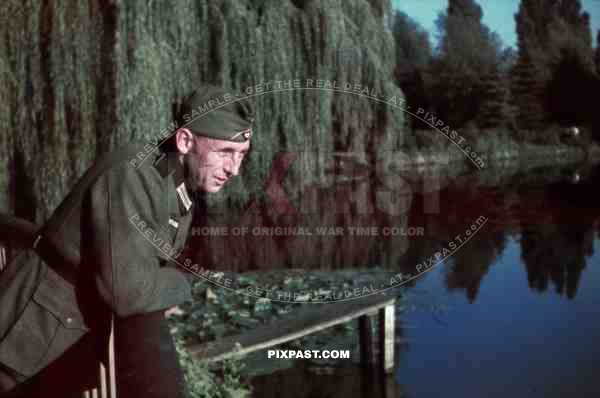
(471, 80)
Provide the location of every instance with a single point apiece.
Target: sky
(498, 15)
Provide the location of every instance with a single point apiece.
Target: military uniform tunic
(129, 224)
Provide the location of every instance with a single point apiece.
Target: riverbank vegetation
(216, 312)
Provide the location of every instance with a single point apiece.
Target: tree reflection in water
(469, 265)
(553, 216)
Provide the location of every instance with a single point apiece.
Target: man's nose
(232, 166)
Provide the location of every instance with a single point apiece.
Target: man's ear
(184, 140)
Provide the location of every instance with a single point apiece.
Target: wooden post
(2, 258)
(386, 338)
(106, 388)
(112, 377)
(365, 341)
(103, 384)
(390, 388)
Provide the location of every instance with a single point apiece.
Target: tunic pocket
(50, 323)
(28, 341)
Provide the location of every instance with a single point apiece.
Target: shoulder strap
(61, 214)
(61, 260)
(26, 234)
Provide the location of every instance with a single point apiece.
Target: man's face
(210, 163)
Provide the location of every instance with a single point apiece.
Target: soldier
(119, 232)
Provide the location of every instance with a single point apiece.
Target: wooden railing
(314, 319)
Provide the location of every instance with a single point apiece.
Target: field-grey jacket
(128, 226)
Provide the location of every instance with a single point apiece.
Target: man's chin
(195, 186)
(204, 186)
(212, 188)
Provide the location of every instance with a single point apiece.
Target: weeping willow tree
(79, 78)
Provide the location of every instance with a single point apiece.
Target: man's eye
(240, 156)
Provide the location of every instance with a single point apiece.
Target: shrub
(203, 382)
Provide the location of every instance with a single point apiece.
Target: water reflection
(469, 265)
(341, 382)
(553, 215)
(557, 254)
(522, 307)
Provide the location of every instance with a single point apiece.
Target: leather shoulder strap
(61, 260)
(100, 166)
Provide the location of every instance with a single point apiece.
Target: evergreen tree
(528, 72)
(413, 55)
(569, 91)
(467, 55)
(570, 31)
(528, 89)
(507, 62)
(493, 110)
(547, 30)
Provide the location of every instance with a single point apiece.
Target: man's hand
(173, 311)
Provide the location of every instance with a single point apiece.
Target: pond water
(513, 312)
(530, 331)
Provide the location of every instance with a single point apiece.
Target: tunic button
(69, 320)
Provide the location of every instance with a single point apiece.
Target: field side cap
(214, 112)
